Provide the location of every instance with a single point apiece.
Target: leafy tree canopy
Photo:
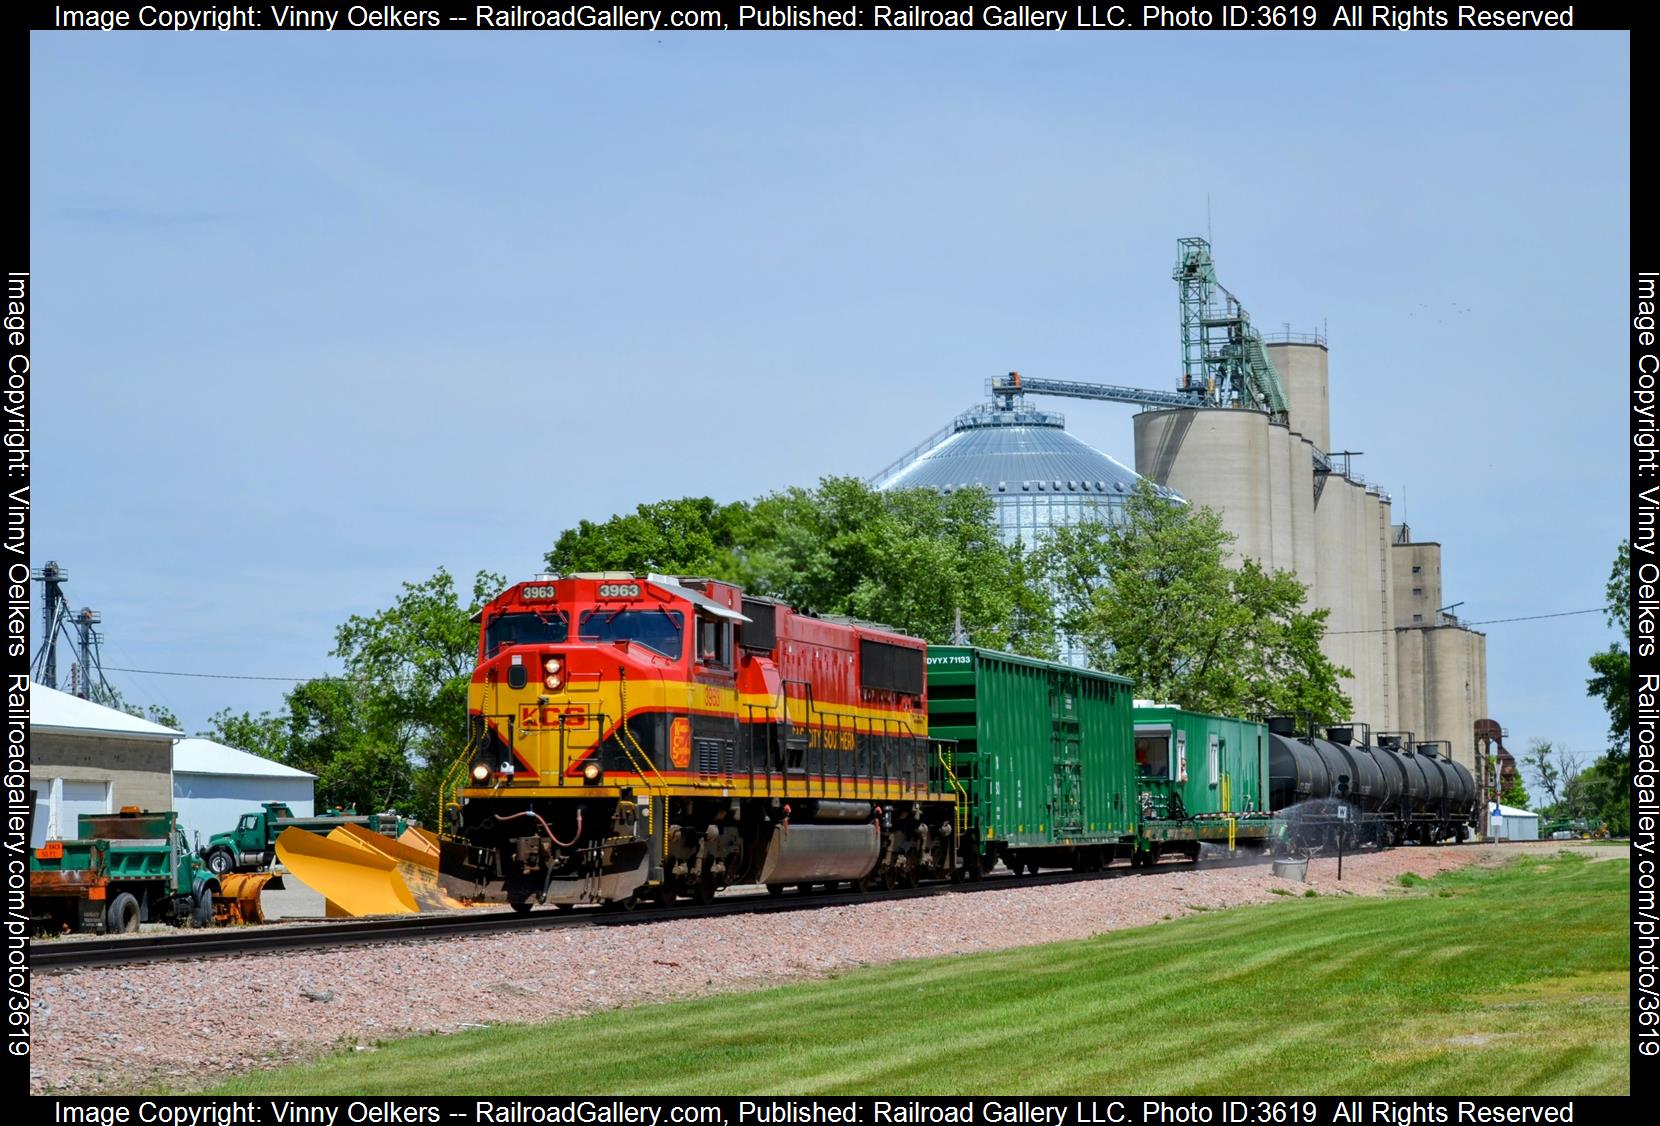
(380, 736)
(911, 559)
(1154, 599)
(1611, 683)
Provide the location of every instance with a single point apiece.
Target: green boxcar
(1043, 753)
(1202, 777)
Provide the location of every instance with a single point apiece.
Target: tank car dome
(1038, 475)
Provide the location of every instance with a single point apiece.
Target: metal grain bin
(1043, 751)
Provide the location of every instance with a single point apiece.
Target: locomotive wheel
(663, 894)
(861, 885)
(890, 878)
(704, 889)
(910, 876)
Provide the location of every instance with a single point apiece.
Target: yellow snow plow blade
(424, 839)
(238, 898)
(417, 866)
(352, 877)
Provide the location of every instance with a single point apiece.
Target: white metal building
(86, 758)
(214, 785)
(1517, 824)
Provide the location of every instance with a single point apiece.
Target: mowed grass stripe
(1496, 981)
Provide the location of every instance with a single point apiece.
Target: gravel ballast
(185, 1025)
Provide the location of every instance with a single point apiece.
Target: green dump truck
(120, 870)
(252, 845)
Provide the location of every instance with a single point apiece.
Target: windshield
(655, 629)
(526, 628)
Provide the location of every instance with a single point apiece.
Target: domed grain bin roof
(1010, 451)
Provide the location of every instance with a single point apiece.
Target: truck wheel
(219, 862)
(201, 907)
(121, 916)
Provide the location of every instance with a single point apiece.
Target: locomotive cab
(640, 734)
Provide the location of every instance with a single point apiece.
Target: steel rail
(63, 954)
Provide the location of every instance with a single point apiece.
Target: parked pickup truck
(252, 845)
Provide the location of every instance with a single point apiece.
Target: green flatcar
(1202, 778)
(1042, 756)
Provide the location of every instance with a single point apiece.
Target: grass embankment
(1509, 981)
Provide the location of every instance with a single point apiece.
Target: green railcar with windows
(1201, 779)
(1041, 754)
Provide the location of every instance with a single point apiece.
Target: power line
(219, 675)
(1484, 622)
(1335, 633)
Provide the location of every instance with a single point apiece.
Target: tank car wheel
(1014, 863)
(775, 890)
(121, 916)
(520, 906)
(958, 875)
(564, 907)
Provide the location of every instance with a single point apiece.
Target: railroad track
(60, 954)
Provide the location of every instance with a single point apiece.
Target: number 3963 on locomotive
(638, 735)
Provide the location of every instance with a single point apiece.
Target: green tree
(1612, 682)
(324, 729)
(912, 559)
(1515, 794)
(1153, 598)
(407, 670)
(1541, 758)
(265, 735)
(1609, 781)
(688, 536)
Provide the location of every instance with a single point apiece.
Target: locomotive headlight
(592, 773)
(481, 771)
(554, 670)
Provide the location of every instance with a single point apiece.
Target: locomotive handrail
(626, 737)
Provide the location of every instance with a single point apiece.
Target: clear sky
(318, 313)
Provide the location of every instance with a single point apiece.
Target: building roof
(1512, 811)
(1012, 451)
(51, 710)
(204, 756)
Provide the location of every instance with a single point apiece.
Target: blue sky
(316, 314)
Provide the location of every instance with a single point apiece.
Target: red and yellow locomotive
(643, 736)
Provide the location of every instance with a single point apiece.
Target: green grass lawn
(1510, 981)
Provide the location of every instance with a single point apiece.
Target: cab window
(250, 821)
(714, 642)
(1152, 752)
(658, 630)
